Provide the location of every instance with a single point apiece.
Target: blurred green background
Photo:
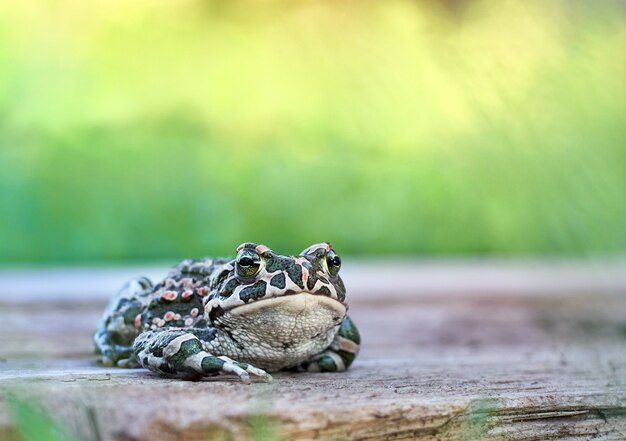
(138, 130)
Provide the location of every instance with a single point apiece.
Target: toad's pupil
(246, 261)
(336, 261)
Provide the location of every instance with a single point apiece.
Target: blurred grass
(32, 423)
(143, 130)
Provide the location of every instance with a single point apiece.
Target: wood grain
(503, 364)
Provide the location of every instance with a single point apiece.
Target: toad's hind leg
(118, 328)
(339, 355)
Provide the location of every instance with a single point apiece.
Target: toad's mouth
(296, 304)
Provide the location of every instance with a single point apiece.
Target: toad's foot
(180, 353)
(243, 370)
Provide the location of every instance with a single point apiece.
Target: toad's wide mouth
(293, 303)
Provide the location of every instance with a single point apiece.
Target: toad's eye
(246, 261)
(248, 264)
(333, 261)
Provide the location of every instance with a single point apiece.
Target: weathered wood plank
(509, 365)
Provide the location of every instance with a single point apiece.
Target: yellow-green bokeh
(160, 129)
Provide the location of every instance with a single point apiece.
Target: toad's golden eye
(333, 261)
(248, 263)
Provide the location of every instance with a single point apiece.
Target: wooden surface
(451, 351)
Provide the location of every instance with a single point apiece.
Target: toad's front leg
(180, 353)
(340, 354)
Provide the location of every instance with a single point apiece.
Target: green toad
(255, 313)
